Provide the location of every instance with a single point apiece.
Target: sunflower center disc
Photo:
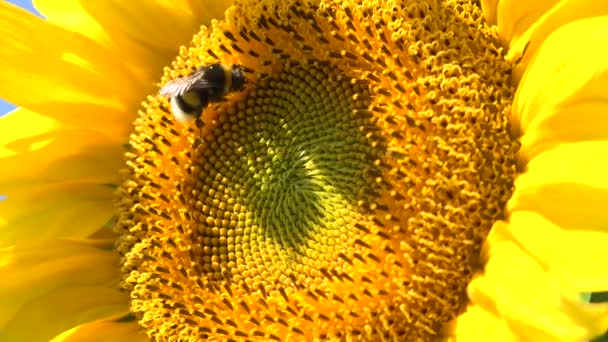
(344, 194)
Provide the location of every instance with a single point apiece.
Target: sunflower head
(344, 193)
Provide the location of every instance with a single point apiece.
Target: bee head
(238, 78)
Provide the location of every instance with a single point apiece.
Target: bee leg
(199, 124)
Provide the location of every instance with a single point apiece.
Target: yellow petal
(160, 23)
(12, 128)
(490, 9)
(58, 181)
(39, 212)
(563, 97)
(104, 331)
(478, 324)
(146, 34)
(516, 16)
(57, 285)
(526, 24)
(568, 186)
(62, 74)
(535, 304)
(59, 156)
(571, 254)
(70, 15)
(62, 309)
(157, 23)
(54, 153)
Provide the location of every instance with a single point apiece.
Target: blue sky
(4, 106)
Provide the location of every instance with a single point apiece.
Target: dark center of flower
(344, 194)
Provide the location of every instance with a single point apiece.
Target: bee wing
(180, 86)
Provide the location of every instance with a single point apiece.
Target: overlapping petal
(57, 284)
(12, 129)
(479, 324)
(105, 330)
(526, 24)
(61, 153)
(146, 33)
(490, 9)
(547, 254)
(62, 74)
(563, 96)
(568, 186)
(67, 192)
(54, 211)
(536, 303)
(159, 24)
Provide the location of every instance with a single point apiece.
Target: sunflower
(408, 171)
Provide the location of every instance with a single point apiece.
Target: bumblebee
(210, 83)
